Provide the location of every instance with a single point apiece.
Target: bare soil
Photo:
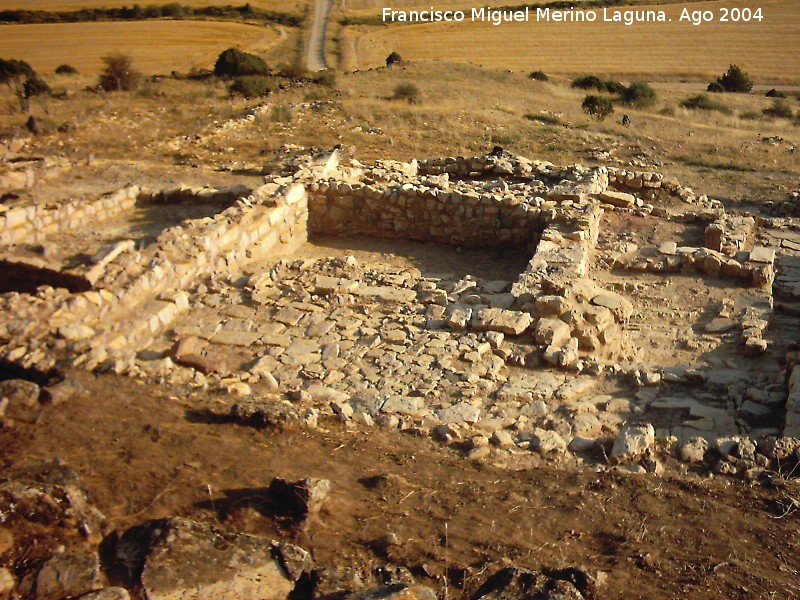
(155, 451)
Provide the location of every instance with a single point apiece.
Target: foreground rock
(520, 584)
(632, 443)
(192, 561)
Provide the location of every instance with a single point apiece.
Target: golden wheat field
(156, 46)
(768, 50)
(278, 5)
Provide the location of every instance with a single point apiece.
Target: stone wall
(33, 223)
(104, 325)
(418, 212)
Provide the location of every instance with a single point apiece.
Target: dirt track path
(315, 53)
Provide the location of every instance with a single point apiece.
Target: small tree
(406, 91)
(735, 80)
(118, 74)
(639, 94)
(234, 63)
(393, 58)
(598, 107)
(22, 80)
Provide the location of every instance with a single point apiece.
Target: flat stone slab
(405, 405)
(760, 254)
(236, 338)
(460, 413)
(509, 322)
(721, 325)
(386, 293)
(618, 199)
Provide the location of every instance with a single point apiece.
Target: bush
(589, 82)
(773, 93)
(118, 74)
(393, 58)
(615, 87)
(592, 82)
(596, 106)
(751, 115)
(406, 91)
(703, 102)
(639, 94)
(734, 80)
(780, 109)
(539, 76)
(66, 70)
(235, 63)
(253, 86)
(715, 88)
(326, 78)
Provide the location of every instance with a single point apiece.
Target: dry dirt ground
(148, 451)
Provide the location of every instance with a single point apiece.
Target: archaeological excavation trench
(546, 308)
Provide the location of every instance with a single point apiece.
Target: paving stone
(236, 338)
(504, 321)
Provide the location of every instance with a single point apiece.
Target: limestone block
(505, 321)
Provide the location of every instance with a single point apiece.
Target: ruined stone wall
(427, 214)
(105, 325)
(33, 223)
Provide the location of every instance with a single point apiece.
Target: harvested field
(663, 50)
(293, 6)
(156, 46)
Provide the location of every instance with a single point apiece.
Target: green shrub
(253, 86)
(773, 93)
(597, 106)
(118, 74)
(639, 94)
(235, 63)
(406, 91)
(780, 109)
(715, 88)
(703, 102)
(66, 70)
(734, 80)
(392, 59)
(589, 82)
(539, 76)
(614, 87)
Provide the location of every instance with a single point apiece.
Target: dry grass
(721, 155)
(157, 47)
(767, 50)
(293, 6)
